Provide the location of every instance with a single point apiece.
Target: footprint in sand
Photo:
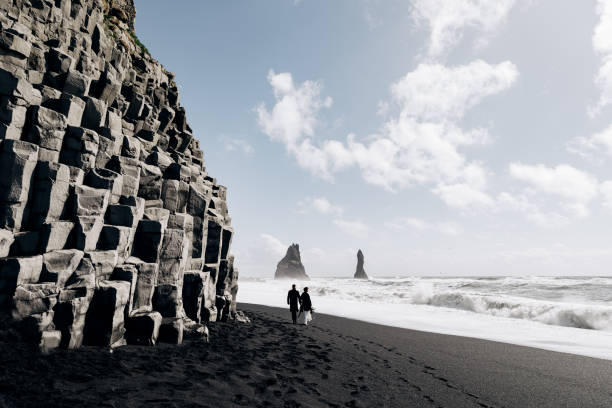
(428, 398)
(240, 399)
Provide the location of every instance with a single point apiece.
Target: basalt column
(111, 230)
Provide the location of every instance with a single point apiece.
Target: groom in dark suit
(294, 302)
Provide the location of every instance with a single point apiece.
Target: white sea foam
(572, 315)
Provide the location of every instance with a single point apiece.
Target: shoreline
(539, 323)
(501, 373)
(426, 332)
(333, 362)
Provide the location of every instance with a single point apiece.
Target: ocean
(566, 314)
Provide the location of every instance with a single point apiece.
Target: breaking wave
(580, 302)
(568, 314)
(558, 314)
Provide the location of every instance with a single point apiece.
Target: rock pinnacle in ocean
(290, 267)
(360, 272)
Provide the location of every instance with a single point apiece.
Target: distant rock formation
(111, 229)
(360, 272)
(290, 267)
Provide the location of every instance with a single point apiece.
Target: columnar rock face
(360, 272)
(110, 227)
(290, 267)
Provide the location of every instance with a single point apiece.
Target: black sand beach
(334, 362)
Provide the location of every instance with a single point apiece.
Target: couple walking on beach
(299, 303)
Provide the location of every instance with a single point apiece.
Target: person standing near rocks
(306, 308)
(294, 301)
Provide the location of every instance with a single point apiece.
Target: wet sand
(334, 362)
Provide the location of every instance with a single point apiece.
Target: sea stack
(290, 267)
(111, 228)
(360, 272)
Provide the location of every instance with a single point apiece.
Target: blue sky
(442, 137)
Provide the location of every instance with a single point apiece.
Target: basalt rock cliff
(360, 273)
(111, 230)
(290, 267)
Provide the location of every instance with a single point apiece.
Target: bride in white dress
(305, 309)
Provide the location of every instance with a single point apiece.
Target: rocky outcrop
(290, 267)
(360, 272)
(111, 230)
(123, 10)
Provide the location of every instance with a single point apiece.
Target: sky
(441, 137)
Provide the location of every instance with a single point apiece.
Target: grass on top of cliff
(138, 43)
(113, 23)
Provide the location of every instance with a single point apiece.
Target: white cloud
(606, 191)
(462, 196)
(562, 180)
(416, 224)
(322, 205)
(383, 108)
(434, 92)
(553, 196)
(551, 219)
(589, 147)
(319, 204)
(449, 228)
(271, 245)
(369, 14)
(293, 119)
(355, 228)
(515, 202)
(421, 145)
(448, 19)
(533, 212)
(402, 223)
(237, 145)
(555, 254)
(602, 44)
(533, 254)
(260, 255)
(314, 253)
(294, 115)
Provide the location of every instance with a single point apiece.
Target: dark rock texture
(105, 202)
(290, 267)
(124, 10)
(360, 273)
